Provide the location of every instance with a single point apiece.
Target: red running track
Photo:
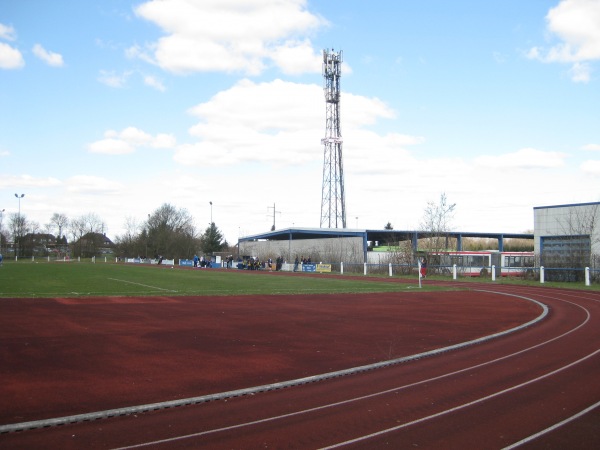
(534, 388)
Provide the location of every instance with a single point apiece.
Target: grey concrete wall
(333, 250)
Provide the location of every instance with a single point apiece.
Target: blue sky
(120, 106)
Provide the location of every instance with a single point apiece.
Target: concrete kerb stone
(126, 411)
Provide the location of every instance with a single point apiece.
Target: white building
(567, 235)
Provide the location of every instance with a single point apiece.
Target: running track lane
(542, 380)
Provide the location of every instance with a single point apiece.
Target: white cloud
(580, 72)
(154, 83)
(499, 57)
(534, 53)
(10, 57)
(112, 79)
(134, 136)
(575, 24)
(127, 140)
(364, 110)
(592, 147)
(236, 35)
(526, 158)
(591, 167)
(295, 58)
(28, 181)
(7, 32)
(279, 123)
(92, 184)
(163, 140)
(368, 153)
(111, 147)
(50, 58)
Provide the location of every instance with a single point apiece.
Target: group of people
(201, 262)
(302, 260)
(254, 263)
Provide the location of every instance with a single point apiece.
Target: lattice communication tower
(333, 202)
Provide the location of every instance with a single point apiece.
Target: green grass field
(74, 279)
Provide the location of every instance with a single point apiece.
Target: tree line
(168, 231)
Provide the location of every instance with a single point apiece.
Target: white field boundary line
(194, 292)
(143, 285)
(50, 295)
(44, 423)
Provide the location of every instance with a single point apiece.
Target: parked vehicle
(478, 263)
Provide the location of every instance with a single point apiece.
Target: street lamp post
(211, 221)
(147, 229)
(1, 217)
(19, 197)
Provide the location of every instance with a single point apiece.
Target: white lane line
(270, 387)
(553, 427)
(463, 406)
(375, 394)
(331, 405)
(343, 402)
(143, 285)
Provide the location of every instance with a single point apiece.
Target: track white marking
(553, 427)
(387, 391)
(465, 405)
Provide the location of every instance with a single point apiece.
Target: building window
(566, 252)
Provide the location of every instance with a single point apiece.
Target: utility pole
(274, 212)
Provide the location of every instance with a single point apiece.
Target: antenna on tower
(333, 202)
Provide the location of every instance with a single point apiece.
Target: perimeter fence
(541, 274)
(583, 275)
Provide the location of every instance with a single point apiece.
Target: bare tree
(130, 243)
(171, 232)
(77, 229)
(436, 223)
(93, 237)
(60, 221)
(573, 247)
(34, 227)
(582, 221)
(93, 223)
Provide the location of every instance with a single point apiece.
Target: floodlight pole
(1, 217)
(19, 197)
